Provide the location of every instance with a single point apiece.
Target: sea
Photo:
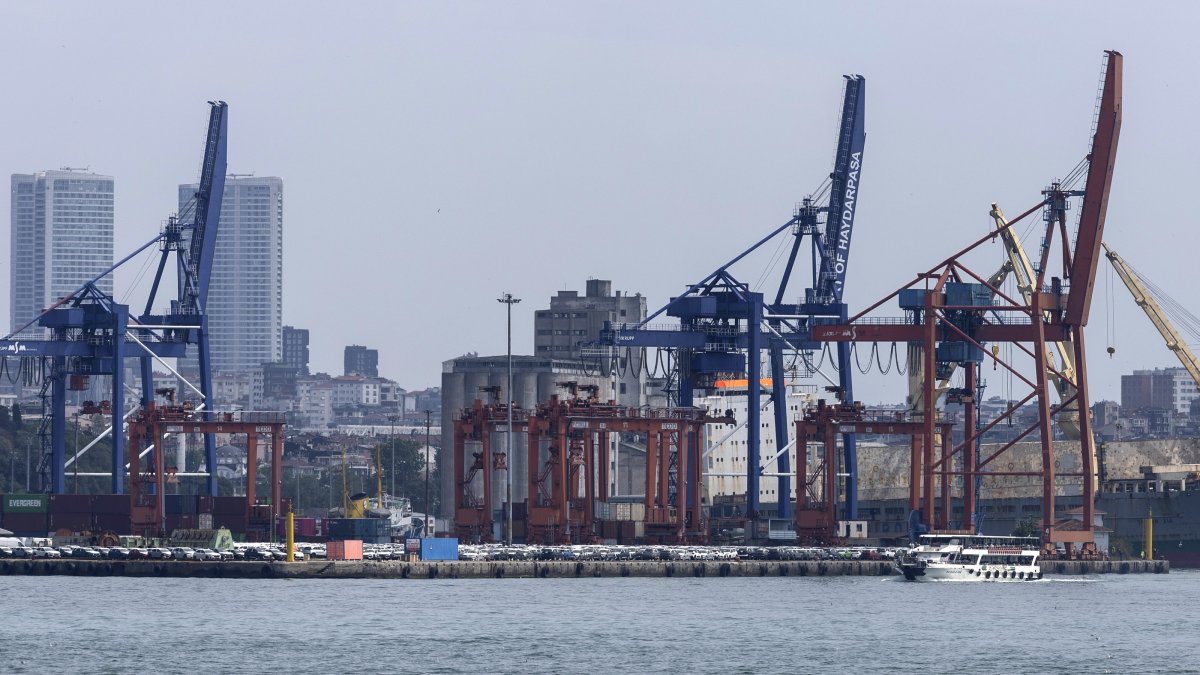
(1091, 624)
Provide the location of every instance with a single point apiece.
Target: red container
(111, 504)
(260, 513)
(27, 524)
(233, 523)
(70, 504)
(204, 503)
(301, 527)
(628, 530)
(351, 549)
(109, 522)
(229, 505)
(75, 522)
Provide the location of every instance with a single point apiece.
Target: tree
(1027, 527)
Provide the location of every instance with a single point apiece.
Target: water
(1117, 624)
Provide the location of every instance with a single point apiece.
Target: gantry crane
(725, 327)
(1145, 300)
(92, 334)
(951, 312)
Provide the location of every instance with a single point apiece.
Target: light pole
(425, 525)
(392, 418)
(509, 300)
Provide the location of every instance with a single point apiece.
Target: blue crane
(92, 334)
(724, 327)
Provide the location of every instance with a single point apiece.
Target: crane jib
(850, 194)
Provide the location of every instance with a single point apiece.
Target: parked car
(84, 552)
(183, 553)
(206, 554)
(139, 553)
(46, 552)
(22, 552)
(160, 553)
(118, 553)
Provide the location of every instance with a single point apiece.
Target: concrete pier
(517, 569)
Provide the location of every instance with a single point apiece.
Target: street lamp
(509, 300)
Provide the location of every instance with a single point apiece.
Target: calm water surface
(1116, 624)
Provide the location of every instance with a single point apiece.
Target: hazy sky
(435, 155)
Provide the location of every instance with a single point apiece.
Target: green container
(26, 503)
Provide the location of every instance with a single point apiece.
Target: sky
(436, 155)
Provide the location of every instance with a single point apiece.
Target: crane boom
(1143, 298)
(1022, 269)
(1101, 160)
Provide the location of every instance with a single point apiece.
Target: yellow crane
(1145, 300)
(1019, 265)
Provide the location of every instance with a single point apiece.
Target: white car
(46, 552)
(205, 554)
(183, 553)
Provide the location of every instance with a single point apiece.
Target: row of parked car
(619, 552)
(241, 552)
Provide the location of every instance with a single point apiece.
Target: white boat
(960, 557)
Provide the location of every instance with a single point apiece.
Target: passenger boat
(960, 557)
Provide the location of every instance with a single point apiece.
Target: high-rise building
(61, 236)
(359, 360)
(245, 294)
(295, 349)
(572, 320)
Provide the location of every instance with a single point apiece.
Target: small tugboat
(965, 557)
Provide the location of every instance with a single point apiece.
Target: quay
(518, 569)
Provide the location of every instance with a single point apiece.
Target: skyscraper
(245, 296)
(61, 236)
(358, 360)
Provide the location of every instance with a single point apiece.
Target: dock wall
(321, 569)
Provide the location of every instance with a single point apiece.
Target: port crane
(726, 328)
(92, 334)
(951, 312)
(1145, 299)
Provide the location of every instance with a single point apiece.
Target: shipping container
(232, 522)
(110, 522)
(229, 505)
(600, 510)
(637, 511)
(27, 524)
(439, 549)
(350, 549)
(301, 527)
(204, 503)
(111, 504)
(627, 532)
(357, 528)
(70, 504)
(26, 503)
(260, 513)
(74, 522)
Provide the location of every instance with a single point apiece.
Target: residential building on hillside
(358, 360)
(1158, 389)
(295, 349)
